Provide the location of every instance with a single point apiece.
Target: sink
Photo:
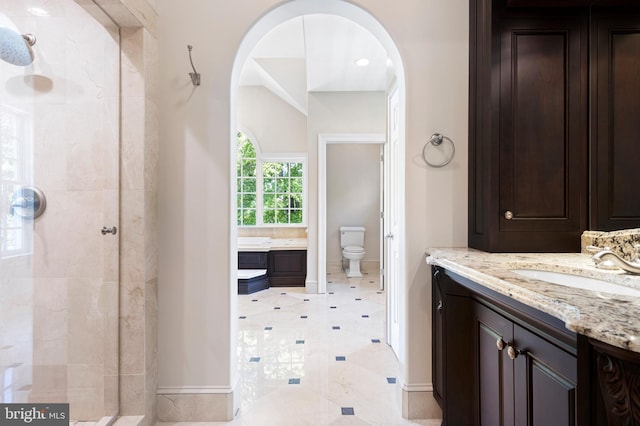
(577, 281)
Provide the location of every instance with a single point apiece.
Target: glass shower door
(59, 278)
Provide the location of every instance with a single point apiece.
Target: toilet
(352, 243)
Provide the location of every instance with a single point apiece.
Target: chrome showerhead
(15, 48)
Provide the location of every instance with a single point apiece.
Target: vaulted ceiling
(316, 53)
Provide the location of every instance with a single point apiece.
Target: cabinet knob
(513, 352)
(500, 344)
(508, 215)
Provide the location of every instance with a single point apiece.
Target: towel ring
(436, 140)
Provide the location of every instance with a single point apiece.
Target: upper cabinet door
(543, 133)
(615, 120)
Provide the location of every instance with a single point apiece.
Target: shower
(16, 48)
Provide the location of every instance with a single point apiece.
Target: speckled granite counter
(609, 318)
(268, 244)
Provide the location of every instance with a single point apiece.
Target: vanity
(265, 262)
(510, 346)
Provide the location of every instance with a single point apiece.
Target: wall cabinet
(498, 363)
(535, 73)
(287, 268)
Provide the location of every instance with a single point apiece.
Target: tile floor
(317, 359)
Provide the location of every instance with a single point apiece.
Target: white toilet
(352, 243)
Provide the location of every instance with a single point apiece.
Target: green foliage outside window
(282, 188)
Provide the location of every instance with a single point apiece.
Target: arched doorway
(395, 243)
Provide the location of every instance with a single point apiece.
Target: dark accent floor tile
(294, 381)
(277, 307)
(375, 340)
(282, 294)
(378, 292)
(353, 286)
(306, 300)
(335, 327)
(299, 342)
(254, 300)
(254, 359)
(365, 316)
(391, 380)
(331, 292)
(304, 316)
(371, 282)
(330, 282)
(348, 411)
(268, 328)
(341, 358)
(242, 317)
(358, 299)
(333, 307)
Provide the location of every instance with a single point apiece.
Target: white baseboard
(418, 402)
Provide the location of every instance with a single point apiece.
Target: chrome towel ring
(436, 141)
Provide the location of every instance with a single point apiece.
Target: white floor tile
(289, 373)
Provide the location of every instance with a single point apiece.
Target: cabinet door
(495, 369)
(252, 260)
(615, 125)
(287, 268)
(542, 132)
(545, 379)
(437, 312)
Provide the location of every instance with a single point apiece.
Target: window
(270, 188)
(15, 143)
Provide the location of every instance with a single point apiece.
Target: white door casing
(392, 223)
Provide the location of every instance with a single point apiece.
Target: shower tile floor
(317, 359)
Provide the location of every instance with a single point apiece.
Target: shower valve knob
(113, 230)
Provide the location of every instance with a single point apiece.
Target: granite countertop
(609, 318)
(268, 244)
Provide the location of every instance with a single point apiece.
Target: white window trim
(281, 158)
(25, 177)
(298, 157)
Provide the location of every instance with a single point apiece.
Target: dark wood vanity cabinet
(554, 96)
(252, 259)
(523, 378)
(497, 362)
(287, 268)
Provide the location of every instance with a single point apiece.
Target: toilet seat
(354, 249)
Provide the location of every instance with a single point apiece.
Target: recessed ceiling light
(362, 62)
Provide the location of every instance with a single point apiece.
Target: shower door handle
(389, 236)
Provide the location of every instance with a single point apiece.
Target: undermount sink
(577, 281)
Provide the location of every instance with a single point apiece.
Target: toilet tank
(351, 236)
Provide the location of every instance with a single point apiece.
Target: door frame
(325, 139)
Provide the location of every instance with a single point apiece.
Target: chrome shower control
(28, 202)
(113, 230)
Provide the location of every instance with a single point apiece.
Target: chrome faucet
(607, 256)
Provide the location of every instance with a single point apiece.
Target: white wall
(197, 310)
(276, 125)
(353, 196)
